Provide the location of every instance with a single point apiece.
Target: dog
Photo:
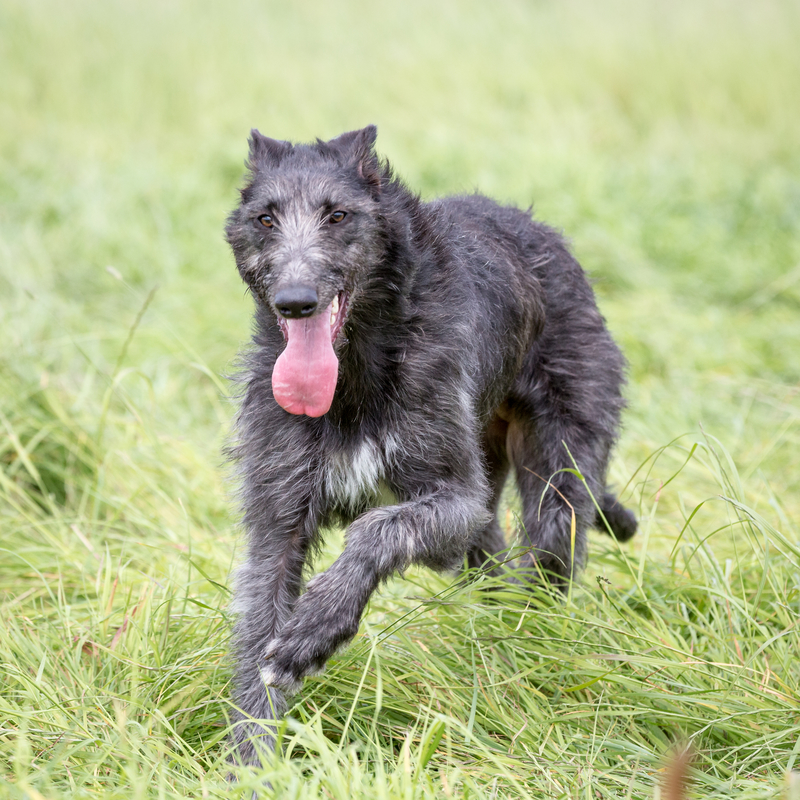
(409, 350)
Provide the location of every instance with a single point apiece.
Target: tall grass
(664, 139)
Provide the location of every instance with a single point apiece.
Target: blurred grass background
(663, 138)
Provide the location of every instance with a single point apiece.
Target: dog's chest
(355, 476)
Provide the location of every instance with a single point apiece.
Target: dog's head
(308, 225)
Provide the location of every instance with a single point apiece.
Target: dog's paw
(276, 678)
(287, 661)
(305, 643)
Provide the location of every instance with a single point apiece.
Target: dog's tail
(617, 517)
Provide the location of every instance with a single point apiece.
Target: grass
(665, 140)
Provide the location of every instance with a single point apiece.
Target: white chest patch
(354, 477)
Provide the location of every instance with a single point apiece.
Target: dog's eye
(338, 216)
(266, 220)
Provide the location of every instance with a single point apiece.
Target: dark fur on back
(472, 347)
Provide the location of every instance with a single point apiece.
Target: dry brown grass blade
(676, 778)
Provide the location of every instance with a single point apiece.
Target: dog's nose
(296, 301)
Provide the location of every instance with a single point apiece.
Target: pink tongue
(304, 378)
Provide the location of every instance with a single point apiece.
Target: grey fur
(472, 344)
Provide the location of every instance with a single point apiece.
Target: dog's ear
(265, 151)
(356, 143)
(357, 148)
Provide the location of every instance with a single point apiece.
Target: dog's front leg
(267, 587)
(434, 529)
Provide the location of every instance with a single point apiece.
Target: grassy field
(663, 138)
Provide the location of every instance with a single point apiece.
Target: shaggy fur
(471, 346)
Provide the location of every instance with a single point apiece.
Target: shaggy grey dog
(410, 350)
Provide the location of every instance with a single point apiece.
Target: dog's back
(543, 366)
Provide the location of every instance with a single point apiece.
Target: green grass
(663, 138)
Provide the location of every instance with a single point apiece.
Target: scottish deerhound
(411, 350)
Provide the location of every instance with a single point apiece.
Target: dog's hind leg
(490, 541)
(556, 506)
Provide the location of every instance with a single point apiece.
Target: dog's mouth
(305, 374)
(336, 311)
